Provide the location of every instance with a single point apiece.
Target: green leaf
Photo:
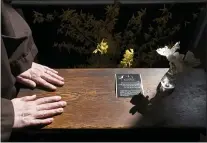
(146, 36)
(164, 10)
(195, 15)
(186, 23)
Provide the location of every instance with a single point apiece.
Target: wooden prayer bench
(94, 113)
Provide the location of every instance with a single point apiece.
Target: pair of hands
(30, 111)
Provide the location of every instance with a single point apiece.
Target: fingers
(48, 100)
(48, 113)
(52, 80)
(29, 98)
(55, 75)
(52, 70)
(25, 74)
(41, 121)
(38, 76)
(49, 106)
(44, 83)
(26, 81)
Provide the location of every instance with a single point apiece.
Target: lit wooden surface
(90, 94)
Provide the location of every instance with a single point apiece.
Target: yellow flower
(128, 58)
(102, 47)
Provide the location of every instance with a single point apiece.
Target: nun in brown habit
(17, 54)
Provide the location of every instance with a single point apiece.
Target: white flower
(179, 61)
(167, 51)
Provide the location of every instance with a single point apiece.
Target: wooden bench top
(90, 94)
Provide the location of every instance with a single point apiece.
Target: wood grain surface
(91, 100)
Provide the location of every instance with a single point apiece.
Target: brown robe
(17, 54)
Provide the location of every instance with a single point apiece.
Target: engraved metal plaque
(128, 85)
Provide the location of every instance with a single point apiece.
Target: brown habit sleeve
(7, 92)
(7, 119)
(17, 54)
(18, 40)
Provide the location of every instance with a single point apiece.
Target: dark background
(45, 34)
